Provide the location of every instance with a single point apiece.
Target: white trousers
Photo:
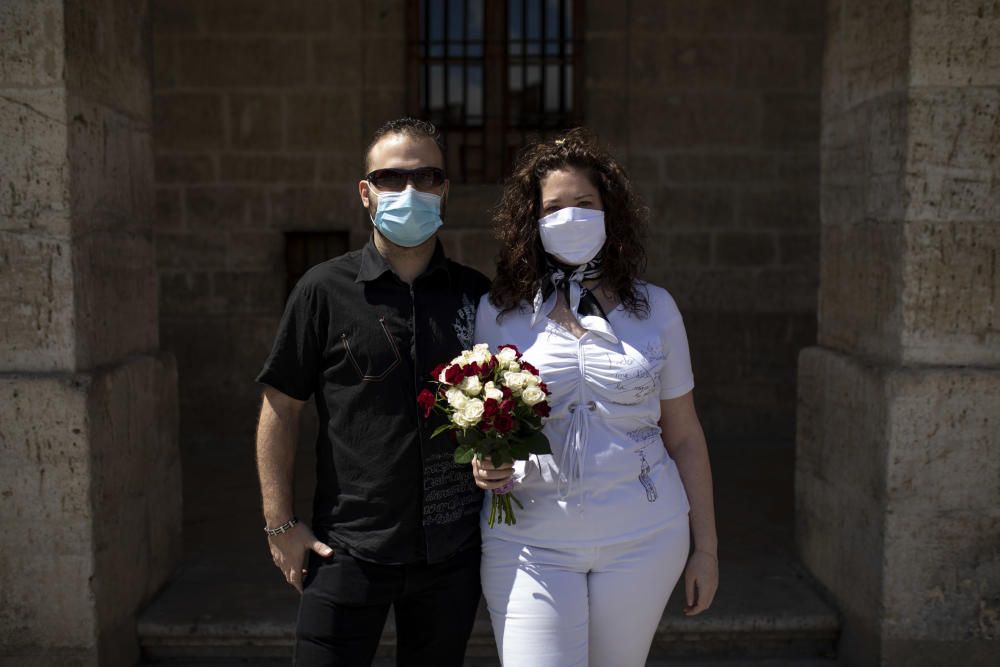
(596, 606)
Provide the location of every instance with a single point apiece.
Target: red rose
(503, 423)
(471, 369)
(454, 374)
(425, 400)
(525, 366)
(507, 407)
(490, 408)
(542, 409)
(507, 393)
(544, 387)
(436, 373)
(517, 352)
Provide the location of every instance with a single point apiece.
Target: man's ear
(363, 193)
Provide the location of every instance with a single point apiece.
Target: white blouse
(609, 477)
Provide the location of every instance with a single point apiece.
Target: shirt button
(591, 406)
(572, 407)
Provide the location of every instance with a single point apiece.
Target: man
(395, 520)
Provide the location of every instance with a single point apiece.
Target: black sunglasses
(394, 180)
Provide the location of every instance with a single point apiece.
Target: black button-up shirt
(364, 342)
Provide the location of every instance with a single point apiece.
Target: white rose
(456, 398)
(458, 418)
(514, 367)
(473, 411)
(514, 381)
(506, 357)
(457, 360)
(531, 380)
(441, 376)
(471, 385)
(481, 347)
(490, 391)
(532, 395)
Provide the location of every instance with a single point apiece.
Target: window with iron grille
(494, 75)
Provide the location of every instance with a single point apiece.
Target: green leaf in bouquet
(441, 429)
(464, 454)
(537, 443)
(470, 437)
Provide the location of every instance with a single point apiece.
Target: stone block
(31, 43)
(950, 294)
(45, 483)
(717, 119)
(769, 63)
(180, 17)
(111, 170)
(680, 63)
(242, 62)
(606, 61)
(37, 331)
(955, 44)
(687, 248)
(743, 248)
(792, 209)
(906, 458)
(114, 297)
(188, 121)
(723, 167)
(264, 16)
(791, 119)
(469, 206)
(859, 305)
(169, 209)
(674, 208)
(786, 290)
(472, 247)
(952, 155)
(322, 121)
(248, 292)
(185, 293)
(799, 249)
(267, 168)
(303, 208)
(342, 168)
(184, 168)
(34, 178)
(256, 251)
(224, 207)
(91, 465)
(337, 62)
(255, 122)
(108, 54)
(203, 249)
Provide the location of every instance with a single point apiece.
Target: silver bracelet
(283, 528)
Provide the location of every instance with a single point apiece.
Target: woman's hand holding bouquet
(495, 404)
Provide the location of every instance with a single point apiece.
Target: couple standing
(605, 533)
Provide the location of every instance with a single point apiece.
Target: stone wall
(898, 450)
(262, 111)
(262, 114)
(715, 106)
(89, 472)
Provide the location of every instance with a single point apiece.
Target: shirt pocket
(372, 357)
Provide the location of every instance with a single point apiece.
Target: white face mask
(573, 235)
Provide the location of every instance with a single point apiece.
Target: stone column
(898, 447)
(89, 469)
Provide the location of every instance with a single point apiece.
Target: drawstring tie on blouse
(571, 458)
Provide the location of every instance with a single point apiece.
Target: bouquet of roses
(494, 404)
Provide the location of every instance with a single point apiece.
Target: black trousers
(345, 603)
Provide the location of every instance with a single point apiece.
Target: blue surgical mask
(408, 218)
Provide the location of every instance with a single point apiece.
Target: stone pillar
(898, 444)
(89, 469)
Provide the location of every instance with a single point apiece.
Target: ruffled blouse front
(609, 477)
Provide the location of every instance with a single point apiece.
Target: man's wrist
(281, 528)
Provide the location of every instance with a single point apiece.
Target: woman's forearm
(691, 457)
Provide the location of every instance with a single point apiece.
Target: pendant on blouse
(644, 479)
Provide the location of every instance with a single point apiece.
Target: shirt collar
(373, 264)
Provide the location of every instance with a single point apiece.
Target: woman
(585, 573)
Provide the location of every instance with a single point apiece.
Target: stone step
(217, 614)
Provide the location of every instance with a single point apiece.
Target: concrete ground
(228, 603)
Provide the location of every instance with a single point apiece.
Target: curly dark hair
(521, 263)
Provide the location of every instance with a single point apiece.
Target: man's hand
(487, 477)
(289, 549)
